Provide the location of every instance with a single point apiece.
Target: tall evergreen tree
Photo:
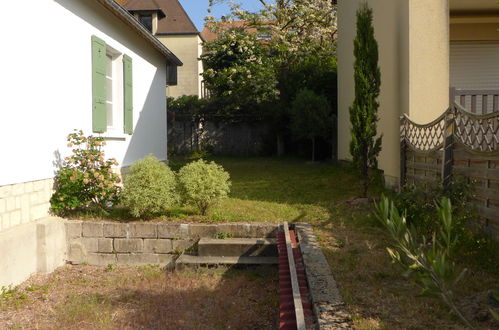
(365, 145)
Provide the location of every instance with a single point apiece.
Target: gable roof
(143, 5)
(177, 21)
(120, 12)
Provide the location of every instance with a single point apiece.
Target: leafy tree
(297, 30)
(238, 73)
(310, 117)
(365, 146)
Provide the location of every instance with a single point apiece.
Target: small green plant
(149, 188)
(428, 262)
(110, 267)
(12, 296)
(86, 179)
(420, 205)
(223, 235)
(202, 184)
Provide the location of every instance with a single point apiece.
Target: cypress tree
(365, 146)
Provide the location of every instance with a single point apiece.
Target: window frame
(117, 93)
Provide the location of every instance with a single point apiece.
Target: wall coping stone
(329, 308)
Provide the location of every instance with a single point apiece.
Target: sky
(197, 9)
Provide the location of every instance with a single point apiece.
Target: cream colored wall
(413, 58)
(390, 24)
(188, 49)
(429, 59)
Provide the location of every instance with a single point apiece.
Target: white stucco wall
(47, 87)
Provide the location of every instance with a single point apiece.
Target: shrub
(202, 184)
(419, 204)
(85, 180)
(310, 117)
(428, 262)
(149, 188)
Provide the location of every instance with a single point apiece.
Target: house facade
(171, 25)
(425, 48)
(89, 66)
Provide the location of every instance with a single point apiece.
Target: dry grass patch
(88, 297)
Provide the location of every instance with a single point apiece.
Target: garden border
(329, 308)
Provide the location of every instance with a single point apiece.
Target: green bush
(311, 117)
(430, 262)
(420, 205)
(85, 180)
(202, 184)
(149, 188)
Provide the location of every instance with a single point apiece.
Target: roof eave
(128, 19)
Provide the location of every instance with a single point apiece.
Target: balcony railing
(477, 101)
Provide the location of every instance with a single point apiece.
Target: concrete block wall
(104, 243)
(35, 247)
(23, 203)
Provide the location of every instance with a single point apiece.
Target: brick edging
(329, 308)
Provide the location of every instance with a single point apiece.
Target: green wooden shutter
(99, 113)
(128, 94)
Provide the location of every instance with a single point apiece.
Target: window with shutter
(128, 94)
(112, 90)
(99, 113)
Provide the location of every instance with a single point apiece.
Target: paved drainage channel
(308, 296)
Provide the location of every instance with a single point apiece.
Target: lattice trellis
(427, 137)
(478, 133)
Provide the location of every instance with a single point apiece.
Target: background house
(425, 47)
(94, 68)
(169, 22)
(209, 33)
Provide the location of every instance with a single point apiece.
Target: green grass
(376, 293)
(276, 190)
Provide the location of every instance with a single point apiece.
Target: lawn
(90, 297)
(378, 296)
(276, 190)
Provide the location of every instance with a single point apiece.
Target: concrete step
(237, 247)
(190, 261)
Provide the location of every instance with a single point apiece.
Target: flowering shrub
(149, 188)
(86, 179)
(203, 184)
(238, 72)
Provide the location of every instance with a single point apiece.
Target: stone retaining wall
(22, 203)
(104, 243)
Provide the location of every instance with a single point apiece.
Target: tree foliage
(261, 60)
(296, 28)
(237, 72)
(365, 145)
(310, 117)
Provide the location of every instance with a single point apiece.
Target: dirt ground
(89, 297)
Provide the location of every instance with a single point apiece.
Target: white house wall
(47, 87)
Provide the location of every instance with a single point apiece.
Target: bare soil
(90, 297)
